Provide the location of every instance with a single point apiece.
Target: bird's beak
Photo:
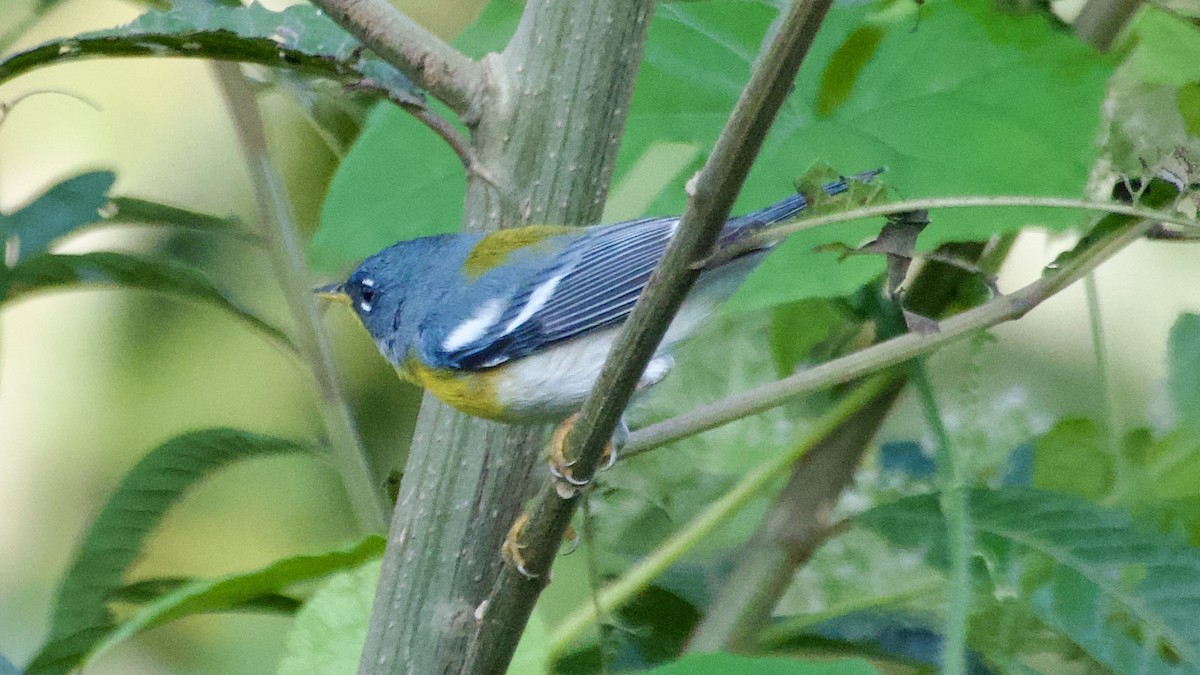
(333, 293)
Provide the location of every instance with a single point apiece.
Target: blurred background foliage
(92, 379)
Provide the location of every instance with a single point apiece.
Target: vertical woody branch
(708, 207)
(550, 110)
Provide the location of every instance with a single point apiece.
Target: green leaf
(330, 629)
(1073, 457)
(1183, 369)
(146, 591)
(62, 209)
(233, 591)
(1124, 594)
(1188, 101)
(368, 209)
(727, 664)
(1166, 48)
(134, 211)
(49, 271)
(81, 617)
(945, 108)
(1172, 467)
(399, 180)
(299, 38)
(533, 650)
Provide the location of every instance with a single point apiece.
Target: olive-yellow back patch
(494, 249)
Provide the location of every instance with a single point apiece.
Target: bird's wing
(595, 284)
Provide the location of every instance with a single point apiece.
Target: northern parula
(515, 325)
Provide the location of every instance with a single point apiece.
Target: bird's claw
(511, 549)
(560, 466)
(572, 539)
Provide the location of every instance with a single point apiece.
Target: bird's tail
(788, 208)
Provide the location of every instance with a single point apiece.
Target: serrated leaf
(231, 591)
(49, 271)
(1121, 592)
(299, 38)
(81, 616)
(62, 209)
(941, 102)
(725, 664)
(1073, 457)
(329, 631)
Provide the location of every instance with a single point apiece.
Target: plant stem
(892, 352)
(797, 522)
(969, 201)
(687, 537)
(274, 208)
(424, 57)
(1110, 421)
(1101, 21)
(708, 207)
(959, 533)
(777, 635)
(552, 107)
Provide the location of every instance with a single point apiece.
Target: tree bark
(550, 113)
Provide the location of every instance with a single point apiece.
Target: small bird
(515, 325)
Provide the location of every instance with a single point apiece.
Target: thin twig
(426, 59)
(1100, 22)
(436, 123)
(274, 208)
(959, 534)
(700, 224)
(716, 189)
(690, 535)
(778, 232)
(794, 525)
(894, 351)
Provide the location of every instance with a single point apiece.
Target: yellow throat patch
(471, 392)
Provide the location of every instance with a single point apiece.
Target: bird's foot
(560, 466)
(511, 549)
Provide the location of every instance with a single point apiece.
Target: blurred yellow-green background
(90, 380)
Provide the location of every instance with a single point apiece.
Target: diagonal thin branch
(712, 196)
(894, 351)
(425, 58)
(706, 212)
(362, 490)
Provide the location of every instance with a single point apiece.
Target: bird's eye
(368, 295)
